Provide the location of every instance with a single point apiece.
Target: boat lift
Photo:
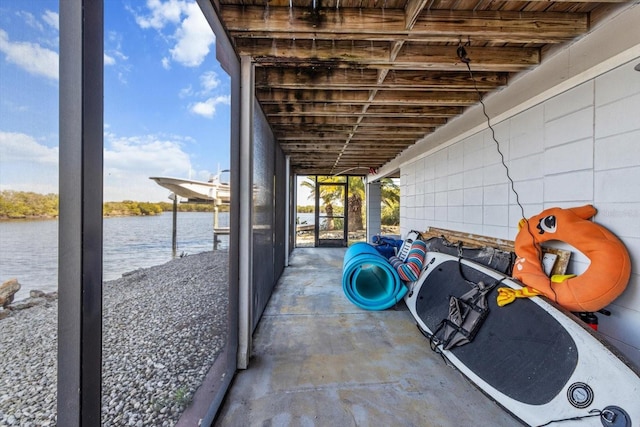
(213, 191)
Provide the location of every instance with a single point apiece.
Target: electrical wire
(592, 413)
(462, 54)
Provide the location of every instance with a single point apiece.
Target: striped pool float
(409, 271)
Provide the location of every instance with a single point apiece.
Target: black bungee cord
(462, 55)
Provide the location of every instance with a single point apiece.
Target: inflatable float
(605, 278)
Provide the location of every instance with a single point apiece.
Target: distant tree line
(21, 204)
(29, 205)
(306, 209)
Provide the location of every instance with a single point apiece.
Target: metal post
(245, 277)
(174, 231)
(80, 224)
(287, 210)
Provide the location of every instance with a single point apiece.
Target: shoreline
(163, 327)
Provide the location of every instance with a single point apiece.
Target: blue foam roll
(369, 280)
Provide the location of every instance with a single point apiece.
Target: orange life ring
(605, 278)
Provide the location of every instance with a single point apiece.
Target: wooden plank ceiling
(347, 85)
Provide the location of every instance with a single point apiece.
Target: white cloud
(130, 161)
(186, 92)
(209, 81)
(166, 64)
(30, 20)
(208, 108)
(161, 14)
(26, 165)
(52, 19)
(109, 60)
(19, 147)
(114, 56)
(31, 57)
(194, 38)
(114, 42)
(15, 107)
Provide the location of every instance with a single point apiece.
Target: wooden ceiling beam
(381, 151)
(568, 1)
(368, 139)
(278, 96)
(425, 98)
(327, 138)
(410, 111)
(348, 110)
(314, 109)
(416, 56)
(310, 120)
(415, 129)
(445, 79)
(333, 136)
(401, 122)
(307, 78)
(390, 24)
(413, 133)
(335, 79)
(508, 59)
(282, 128)
(412, 10)
(387, 145)
(311, 123)
(378, 37)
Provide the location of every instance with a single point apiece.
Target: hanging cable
(462, 55)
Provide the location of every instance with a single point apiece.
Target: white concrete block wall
(616, 185)
(374, 209)
(581, 146)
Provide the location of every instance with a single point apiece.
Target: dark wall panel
(268, 214)
(280, 184)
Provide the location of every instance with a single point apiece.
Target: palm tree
(390, 195)
(328, 194)
(355, 202)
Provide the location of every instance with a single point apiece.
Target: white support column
(374, 209)
(245, 274)
(287, 211)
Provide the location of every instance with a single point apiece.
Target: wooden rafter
(376, 24)
(351, 80)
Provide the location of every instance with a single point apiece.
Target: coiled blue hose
(369, 280)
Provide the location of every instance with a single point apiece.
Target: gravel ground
(163, 328)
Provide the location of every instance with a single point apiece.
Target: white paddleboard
(532, 357)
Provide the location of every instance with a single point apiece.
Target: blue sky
(166, 99)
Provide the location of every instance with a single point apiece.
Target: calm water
(29, 249)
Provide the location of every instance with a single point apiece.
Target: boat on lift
(214, 190)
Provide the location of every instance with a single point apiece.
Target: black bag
(466, 315)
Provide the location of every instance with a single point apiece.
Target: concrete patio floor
(319, 360)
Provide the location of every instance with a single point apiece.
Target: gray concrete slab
(319, 360)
